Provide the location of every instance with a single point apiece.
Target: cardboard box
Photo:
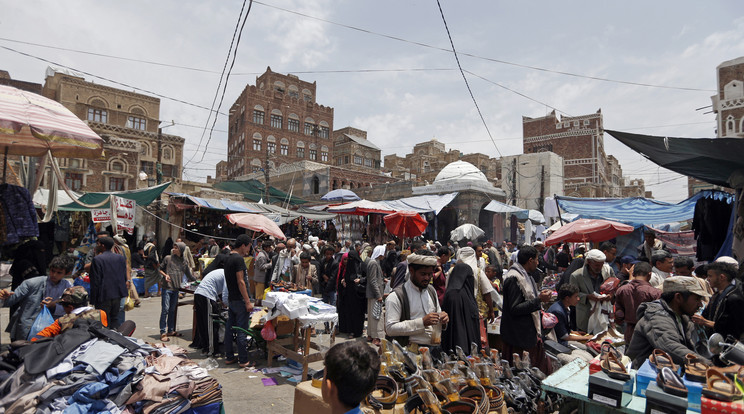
(611, 392)
(658, 401)
(711, 406)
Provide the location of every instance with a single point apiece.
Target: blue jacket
(28, 296)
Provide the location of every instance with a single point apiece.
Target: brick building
(580, 141)
(128, 123)
(352, 150)
(635, 188)
(279, 119)
(430, 157)
(728, 102)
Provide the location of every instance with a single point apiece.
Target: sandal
(720, 387)
(164, 337)
(660, 359)
(612, 366)
(695, 368)
(670, 382)
(174, 333)
(607, 348)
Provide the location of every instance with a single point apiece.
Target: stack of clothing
(90, 369)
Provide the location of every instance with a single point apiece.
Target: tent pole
(557, 207)
(5, 163)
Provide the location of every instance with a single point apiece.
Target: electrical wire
(457, 59)
(235, 42)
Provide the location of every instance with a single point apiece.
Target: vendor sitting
(568, 295)
(75, 302)
(665, 323)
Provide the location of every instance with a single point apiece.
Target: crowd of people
(421, 294)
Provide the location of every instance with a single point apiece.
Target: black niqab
(459, 303)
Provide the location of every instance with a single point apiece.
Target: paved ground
(242, 390)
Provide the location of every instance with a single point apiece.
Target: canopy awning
(421, 204)
(521, 213)
(361, 207)
(253, 190)
(143, 197)
(713, 160)
(636, 211)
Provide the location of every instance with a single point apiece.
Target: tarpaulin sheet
(521, 213)
(143, 197)
(421, 204)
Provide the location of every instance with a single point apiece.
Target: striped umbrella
(31, 124)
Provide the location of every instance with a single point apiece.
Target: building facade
(353, 151)
(728, 102)
(528, 178)
(579, 141)
(277, 121)
(128, 123)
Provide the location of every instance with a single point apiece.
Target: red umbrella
(405, 224)
(587, 230)
(256, 222)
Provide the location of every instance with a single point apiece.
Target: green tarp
(253, 190)
(143, 197)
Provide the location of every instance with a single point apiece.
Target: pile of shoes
(720, 383)
(481, 382)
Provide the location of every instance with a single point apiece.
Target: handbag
(377, 310)
(129, 303)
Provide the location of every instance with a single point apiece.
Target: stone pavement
(243, 391)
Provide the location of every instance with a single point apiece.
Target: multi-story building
(615, 177)
(430, 157)
(580, 141)
(352, 150)
(277, 121)
(128, 122)
(728, 102)
(634, 188)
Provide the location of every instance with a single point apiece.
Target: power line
(541, 69)
(457, 59)
(237, 32)
(108, 79)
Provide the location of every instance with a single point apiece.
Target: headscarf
(467, 256)
(342, 268)
(461, 280)
(379, 251)
(421, 259)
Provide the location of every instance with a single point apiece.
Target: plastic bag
(599, 320)
(549, 321)
(43, 320)
(129, 303)
(377, 310)
(268, 333)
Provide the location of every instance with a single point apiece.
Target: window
(316, 185)
(308, 128)
(97, 115)
(566, 125)
(284, 149)
(576, 123)
(357, 160)
(368, 162)
(170, 170)
(293, 92)
(346, 159)
(74, 181)
(136, 122)
(116, 183)
(586, 122)
(256, 145)
(293, 125)
(558, 125)
(324, 156)
(272, 147)
(144, 149)
(276, 121)
(300, 152)
(148, 167)
(339, 161)
(74, 163)
(258, 117)
(313, 155)
(117, 166)
(167, 153)
(324, 132)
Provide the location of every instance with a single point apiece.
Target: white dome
(460, 170)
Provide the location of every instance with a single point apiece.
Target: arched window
(293, 91)
(97, 111)
(137, 110)
(316, 185)
(284, 146)
(307, 95)
(118, 165)
(300, 149)
(293, 123)
(144, 149)
(279, 86)
(730, 125)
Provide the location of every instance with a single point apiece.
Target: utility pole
(542, 188)
(159, 165)
(514, 182)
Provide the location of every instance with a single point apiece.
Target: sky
(387, 66)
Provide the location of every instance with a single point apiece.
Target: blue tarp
(636, 211)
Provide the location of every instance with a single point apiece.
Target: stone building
(353, 151)
(128, 123)
(277, 120)
(430, 157)
(6, 79)
(634, 188)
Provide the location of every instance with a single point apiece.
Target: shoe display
(614, 369)
(695, 368)
(719, 387)
(660, 359)
(668, 381)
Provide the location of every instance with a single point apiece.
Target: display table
(290, 347)
(572, 380)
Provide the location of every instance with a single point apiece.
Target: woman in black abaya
(459, 303)
(350, 305)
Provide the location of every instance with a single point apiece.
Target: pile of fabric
(91, 369)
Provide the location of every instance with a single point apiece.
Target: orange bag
(268, 333)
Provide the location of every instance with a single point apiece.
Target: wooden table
(290, 347)
(183, 302)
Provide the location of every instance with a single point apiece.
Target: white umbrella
(466, 231)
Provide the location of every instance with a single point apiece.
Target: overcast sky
(381, 65)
